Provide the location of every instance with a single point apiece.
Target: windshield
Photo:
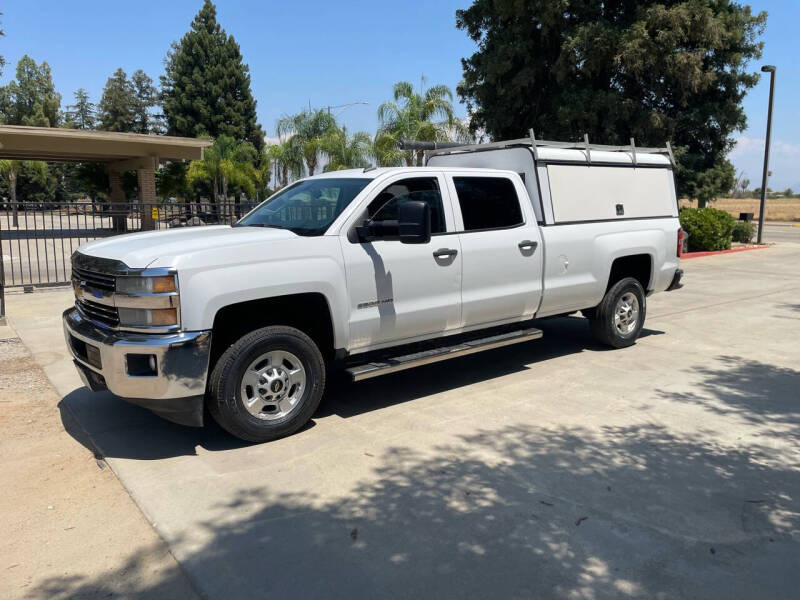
(306, 207)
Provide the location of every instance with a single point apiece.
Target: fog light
(141, 365)
(93, 356)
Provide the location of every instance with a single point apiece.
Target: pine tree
(654, 70)
(145, 99)
(2, 60)
(116, 110)
(31, 99)
(81, 115)
(206, 86)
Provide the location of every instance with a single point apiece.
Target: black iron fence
(37, 239)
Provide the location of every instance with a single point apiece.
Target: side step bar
(416, 359)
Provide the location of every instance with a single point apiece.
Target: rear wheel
(618, 320)
(267, 385)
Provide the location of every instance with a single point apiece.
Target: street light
(771, 70)
(344, 107)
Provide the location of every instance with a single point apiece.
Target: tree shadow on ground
(756, 392)
(521, 511)
(118, 429)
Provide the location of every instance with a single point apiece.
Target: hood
(141, 250)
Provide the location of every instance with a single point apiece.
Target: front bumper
(106, 359)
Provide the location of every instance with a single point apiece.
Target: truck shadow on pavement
(528, 511)
(110, 427)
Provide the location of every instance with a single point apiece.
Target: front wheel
(267, 385)
(618, 320)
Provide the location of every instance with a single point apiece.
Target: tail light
(679, 250)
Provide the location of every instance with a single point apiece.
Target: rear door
(501, 247)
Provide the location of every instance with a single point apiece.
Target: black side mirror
(414, 224)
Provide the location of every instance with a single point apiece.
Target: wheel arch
(639, 266)
(310, 312)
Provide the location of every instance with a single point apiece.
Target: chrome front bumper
(106, 358)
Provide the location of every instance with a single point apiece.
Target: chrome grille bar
(98, 312)
(100, 281)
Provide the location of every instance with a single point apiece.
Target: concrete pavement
(556, 469)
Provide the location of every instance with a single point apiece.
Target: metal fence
(37, 239)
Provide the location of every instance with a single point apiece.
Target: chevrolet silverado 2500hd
(374, 271)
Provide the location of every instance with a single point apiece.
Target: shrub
(708, 228)
(743, 232)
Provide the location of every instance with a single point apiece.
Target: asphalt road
(789, 232)
(554, 469)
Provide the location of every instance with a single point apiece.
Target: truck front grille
(93, 279)
(101, 313)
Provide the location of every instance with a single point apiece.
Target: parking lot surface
(554, 469)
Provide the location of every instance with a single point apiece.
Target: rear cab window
(488, 203)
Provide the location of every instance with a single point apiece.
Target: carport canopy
(120, 151)
(53, 143)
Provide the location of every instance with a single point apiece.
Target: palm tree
(345, 151)
(288, 159)
(307, 129)
(10, 169)
(424, 116)
(226, 162)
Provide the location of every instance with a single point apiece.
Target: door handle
(527, 244)
(445, 252)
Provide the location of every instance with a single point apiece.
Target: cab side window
(386, 205)
(488, 203)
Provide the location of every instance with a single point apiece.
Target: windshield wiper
(270, 225)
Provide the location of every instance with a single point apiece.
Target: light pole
(771, 70)
(344, 107)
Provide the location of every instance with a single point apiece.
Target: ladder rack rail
(535, 144)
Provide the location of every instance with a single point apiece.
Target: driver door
(399, 291)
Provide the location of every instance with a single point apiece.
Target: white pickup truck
(373, 271)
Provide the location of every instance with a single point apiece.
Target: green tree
(81, 115)
(2, 59)
(287, 157)
(206, 85)
(11, 170)
(347, 151)
(116, 109)
(654, 70)
(31, 99)
(145, 99)
(308, 129)
(226, 162)
(426, 116)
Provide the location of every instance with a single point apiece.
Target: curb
(715, 252)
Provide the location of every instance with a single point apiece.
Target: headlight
(148, 317)
(146, 285)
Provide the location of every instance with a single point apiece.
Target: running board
(416, 359)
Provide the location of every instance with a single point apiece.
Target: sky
(327, 53)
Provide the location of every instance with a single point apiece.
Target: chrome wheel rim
(626, 313)
(273, 384)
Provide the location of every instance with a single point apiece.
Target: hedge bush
(708, 228)
(743, 232)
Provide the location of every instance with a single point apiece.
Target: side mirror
(414, 224)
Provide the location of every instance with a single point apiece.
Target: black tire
(602, 320)
(224, 396)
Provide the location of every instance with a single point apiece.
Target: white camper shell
(593, 203)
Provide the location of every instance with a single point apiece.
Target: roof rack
(535, 144)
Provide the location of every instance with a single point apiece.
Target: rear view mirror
(414, 224)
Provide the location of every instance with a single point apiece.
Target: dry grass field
(778, 209)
